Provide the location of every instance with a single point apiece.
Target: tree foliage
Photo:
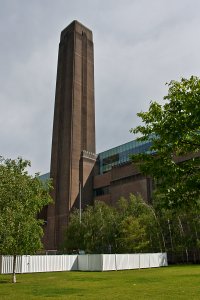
(105, 229)
(174, 130)
(132, 236)
(21, 199)
(96, 231)
(134, 226)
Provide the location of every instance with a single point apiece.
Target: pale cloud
(139, 45)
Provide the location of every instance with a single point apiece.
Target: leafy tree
(21, 199)
(174, 130)
(132, 236)
(101, 221)
(130, 227)
(181, 231)
(75, 232)
(96, 232)
(135, 226)
(148, 219)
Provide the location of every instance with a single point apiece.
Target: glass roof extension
(117, 155)
(121, 154)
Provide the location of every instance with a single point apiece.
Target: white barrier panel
(73, 263)
(88, 262)
(39, 263)
(162, 260)
(144, 261)
(7, 264)
(51, 263)
(122, 261)
(134, 261)
(154, 260)
(83, 262)
(109, 262)
(95, 262)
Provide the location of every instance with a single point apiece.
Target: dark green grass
(175, 282)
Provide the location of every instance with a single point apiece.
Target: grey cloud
(139, 45)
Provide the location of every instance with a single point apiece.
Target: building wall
(121, 181)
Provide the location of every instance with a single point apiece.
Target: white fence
(88, 262)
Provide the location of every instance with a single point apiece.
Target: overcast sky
(139, 46)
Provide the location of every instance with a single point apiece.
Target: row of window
(110, 158)
(101, 191)
(106, 190)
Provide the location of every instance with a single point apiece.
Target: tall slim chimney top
(78, 27)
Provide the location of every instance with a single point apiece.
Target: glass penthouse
(115, 176)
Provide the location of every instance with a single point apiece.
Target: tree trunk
(160, 228)
(14, 267)
(170, 234)
(182, 233)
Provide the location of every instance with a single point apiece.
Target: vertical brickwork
(86, 175)
(74, 125)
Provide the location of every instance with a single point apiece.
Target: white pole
(80, 201)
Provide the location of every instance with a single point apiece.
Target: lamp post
(80, 215)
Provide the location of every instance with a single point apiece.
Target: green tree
(74, 236)
(21, 199)
(95, 233)
(132, 236)
(147, 219)
(174, 130)
(130, 227)
(181, 231)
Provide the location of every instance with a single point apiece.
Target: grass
(174, 282)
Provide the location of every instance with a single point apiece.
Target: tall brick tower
(73, 141)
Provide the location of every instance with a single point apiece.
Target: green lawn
(174, 282)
